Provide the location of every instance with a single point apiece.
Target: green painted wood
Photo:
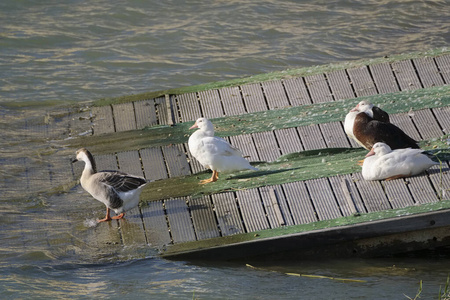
(340, 85)
(275, 94)
(297, 91)
(155, 223)
(145, 112)
(428, 72)
(180, 221)
(384, 78)
(318, 89)
(153, 163)
(227, 214)
(103, 121)
(232, 101)
(203, 218)
(254, 98)
(406, 75)
(124, 117)
(252, 210)
(362, 81)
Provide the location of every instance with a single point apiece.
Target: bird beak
(73, 160)
(356, 108)
(194, 126)
(370, 153)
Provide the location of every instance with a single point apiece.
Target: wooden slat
(254, 97)
(441, 180)
(80, 124)
(289, 140)
(297, 91)
(161, 110)
(340, 85)
(421, 189)
(210, 104)
(372, 194)
(442, 115)
(347, 208)
(266, 145)
(232, 101)
(275, 94)
(426, 124)
(384, 78)
(176, 161)
(362, 82)
(179, 220)
(246, 145)
(428, 72)
(318, 88)
(406, 75)
(106, 162)
(155, 224)
(323, 199)
(203, 218)
(299, 202)
(189, 107)
(103, 121)
(276, 206)
(404, 122)
(252, 210)
(397, 193)
(227, 214)
(132, 228)
(311, 137)
(153, 163)
(145, 113)
(443, 63)
(334, 135)
(124, 116)
(130, 162)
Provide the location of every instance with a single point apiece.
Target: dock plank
(155, 223)
(132, 228)
(334, 135)
(232, 101)
(266, 145)
(311, 137)
(398, 193)
(372, 194)
(297, 91)
(442, 115)
(443, 63)
(124, 117)
(103, 121)
(205, 224)
(406, 75)
(275, 94)
(428, 72)
(179, 220)
(130, 162)
(421, 189)
(362, 81)
(106, 162)
(299, 202)
(153, 163)
(318, 88)
(276, 206)
(347, 208)
(426, 124)
(340, 85)
(176, 161)
(404, 122)
(210, 104)
(252, 210)
(162, 111)
(254, 97)
(189, 107)
(289, 140)
(384, 78)
(145, 112)
(227, 214)
(246, 145)
(323, 199)
(441, 180)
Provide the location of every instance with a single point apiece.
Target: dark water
(80, 50)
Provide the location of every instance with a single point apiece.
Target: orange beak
(370, 153)
(194, 126)
(356, 108)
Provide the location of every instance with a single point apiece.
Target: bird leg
(119, 216)
(107, 218)
(360, 162)
(396, 177)
(214, 177)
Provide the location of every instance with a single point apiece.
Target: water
(79, 50)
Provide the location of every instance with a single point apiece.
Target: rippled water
(80, 50)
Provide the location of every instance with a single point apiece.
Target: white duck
(213, 152)
(117, 190)
(383, 163)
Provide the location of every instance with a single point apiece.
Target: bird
(384, 163)
(119, 191)
(373, 111)
(367, 131)
(213, 152)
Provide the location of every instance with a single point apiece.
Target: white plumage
(117, 190)
(213, 152)
(383, 163)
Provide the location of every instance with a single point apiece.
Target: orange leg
(360, 162)
(396, 177)
(119, 216)
(107, 218)
(214, 177)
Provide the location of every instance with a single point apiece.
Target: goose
(368, 131)
(117, 190)
(213, 152)
(384, 163)
(373, 111)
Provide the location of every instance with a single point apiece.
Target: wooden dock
(315, 203)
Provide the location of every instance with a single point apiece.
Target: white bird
(384, 163)
(213, 152)
(117, 190)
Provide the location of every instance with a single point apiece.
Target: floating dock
(308, 197)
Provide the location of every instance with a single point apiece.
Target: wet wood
(103, 121)
(205, 224)
(180, 221)
(145, 112)
(155, 223)
(227, 213)
(124, 117)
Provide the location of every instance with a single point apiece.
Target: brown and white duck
(367, 130)
(119, 191)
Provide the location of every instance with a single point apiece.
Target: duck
(213, 152)
(367, 131)
(119, 191)
(373, 111)
(384, 163)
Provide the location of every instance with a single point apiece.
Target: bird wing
(219, 146)
(121, 182)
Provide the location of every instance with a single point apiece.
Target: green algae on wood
(289, 117)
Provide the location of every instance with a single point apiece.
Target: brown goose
(117, 190)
